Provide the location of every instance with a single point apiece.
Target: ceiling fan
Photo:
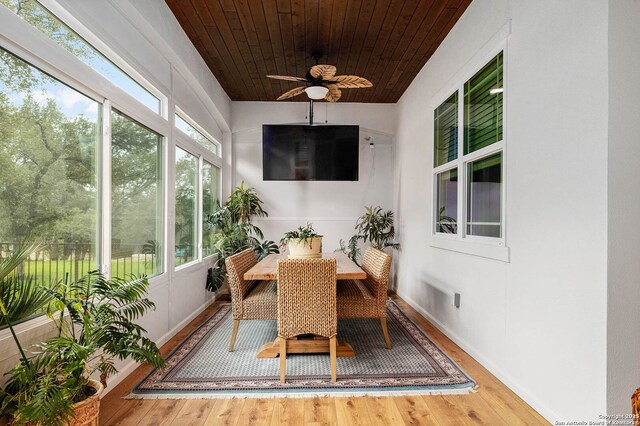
(322, 82)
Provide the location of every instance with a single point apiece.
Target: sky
(70, 102)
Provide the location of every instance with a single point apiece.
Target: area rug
(202, 367)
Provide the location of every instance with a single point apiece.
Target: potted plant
(446, 224)
(303, 243)
(374, 226)
(244, 203)
(233, 232)
(95, 324)
(20, 295)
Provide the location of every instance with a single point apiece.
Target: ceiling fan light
(316, 92)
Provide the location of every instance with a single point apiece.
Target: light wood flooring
(493, 404)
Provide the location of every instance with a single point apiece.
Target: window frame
(21, 53)
(188, 144)
(156, 89)
(161, 200)
(32, 46)
(452, 165)
(201, 205)
(28, 43)
(198, 257)
(179, 112)
(489, 247)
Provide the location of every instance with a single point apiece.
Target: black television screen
(304, 152)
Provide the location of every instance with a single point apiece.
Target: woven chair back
(237, 265)
(307, 297)
(377, 265)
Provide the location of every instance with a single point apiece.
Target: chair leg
(234, 333)
(332, 354)
(383, 324)
(283, 358)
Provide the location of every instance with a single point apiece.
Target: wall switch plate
(456, 300)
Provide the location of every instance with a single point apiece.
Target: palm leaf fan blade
(287, 77)
(333, 94)
(326, 72)
(291, 93)
(351, 82)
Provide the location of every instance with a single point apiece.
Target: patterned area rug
(202, 367)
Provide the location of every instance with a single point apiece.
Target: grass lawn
(48, 270)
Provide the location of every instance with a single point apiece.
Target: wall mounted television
(318, 152)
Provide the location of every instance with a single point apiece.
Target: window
(39, 17)
(197, 186)
(484, 196)
(196, 135)
(49, 138)
(478, 203)
(447, 196)
(136, 198)
(210, 202)
(186, 231)
(483, 107)
(446, 131)
(186, 204)
(48, 143)
(80, 174)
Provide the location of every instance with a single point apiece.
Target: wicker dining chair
(250, 300)
(367, 298)
(307, 304)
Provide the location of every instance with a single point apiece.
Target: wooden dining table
(267, 269)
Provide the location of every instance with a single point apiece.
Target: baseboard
(129, 367)
(534, 402)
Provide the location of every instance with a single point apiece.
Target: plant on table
(94, 318)
(233, 232)
(304, 234)
(303, 242)
(375, 226)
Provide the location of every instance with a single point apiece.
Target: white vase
(305, 249)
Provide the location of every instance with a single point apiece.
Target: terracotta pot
(87, 411)
(301, 249)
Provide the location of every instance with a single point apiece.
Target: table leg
(305, 345)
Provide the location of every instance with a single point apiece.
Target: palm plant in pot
(303, 243)
(233, 232)
(20, 295)
(244, 204)
(94, 318)
(375, 226)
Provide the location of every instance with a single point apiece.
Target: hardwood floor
(493, 404)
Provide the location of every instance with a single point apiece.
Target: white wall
(538, 322)
(146, 35)
(333, 207)
(623, 337)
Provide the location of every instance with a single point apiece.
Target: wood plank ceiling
(385, 41)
